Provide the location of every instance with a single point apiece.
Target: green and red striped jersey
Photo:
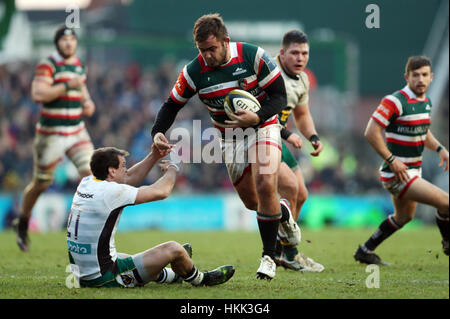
(63, 115)
(250, 68)
(406, 120)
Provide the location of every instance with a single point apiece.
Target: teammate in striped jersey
(405, 116)
(94, 216)
(292, 60)
(220, 67)
(59, 84)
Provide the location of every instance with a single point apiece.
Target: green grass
(419, 268)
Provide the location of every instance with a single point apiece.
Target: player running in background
(292, 60)
(220, 67)
(94, 216)
(59, 84)
(405, 116)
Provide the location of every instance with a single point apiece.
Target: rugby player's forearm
(431, 142)
(160, 190)
(166, 116)
(374, 136)
(276, 101)
(137, 173)
(304, 121)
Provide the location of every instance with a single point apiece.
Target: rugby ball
(240, 100)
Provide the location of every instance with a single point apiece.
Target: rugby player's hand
(88, 108)
(77, 81)
(318, 147)
(443, 156)
(400, 171)
(158, 154)
(161, 142)
(295, 140)
(243, 118)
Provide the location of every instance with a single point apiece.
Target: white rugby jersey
(92, 224)
(297, 92)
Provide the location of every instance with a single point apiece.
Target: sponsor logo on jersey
(82, 249)
(82, 195)
(239, 70)
(428, 107)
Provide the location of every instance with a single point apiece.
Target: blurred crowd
(127, 100)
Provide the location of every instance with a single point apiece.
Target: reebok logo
(85, 195)
(239, 71)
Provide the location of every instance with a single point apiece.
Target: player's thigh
(150, 262)
(246, 190)
(48, 151)
(424, 192)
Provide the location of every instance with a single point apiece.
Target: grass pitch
(419, 268)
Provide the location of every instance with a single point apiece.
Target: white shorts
(397, 188)
(236, 155)
(50, 149)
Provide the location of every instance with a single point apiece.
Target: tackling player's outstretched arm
(137, 173)
(162, 188)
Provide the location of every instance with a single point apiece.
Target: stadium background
(134, 50)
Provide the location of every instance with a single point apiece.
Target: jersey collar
(295, 77)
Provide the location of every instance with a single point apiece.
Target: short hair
(62, 31)
(207, 25)
(416, 62)
(294, 36)
(104, 158)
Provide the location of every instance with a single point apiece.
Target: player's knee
(39, 185)
(403, 220)
(265, 185)
(175, 250)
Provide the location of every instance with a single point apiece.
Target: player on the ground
(220, 67)
(405, 116)
(292, 60)
(94, 216)
(59, 84)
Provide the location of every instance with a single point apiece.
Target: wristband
(440, 148)
(66, 85)
(175, 166)
(390, 159)
(314, 138)
(285, 133)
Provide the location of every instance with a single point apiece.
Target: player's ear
(431, 76)
(282, 51)
(111, 171)
(406, 77)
